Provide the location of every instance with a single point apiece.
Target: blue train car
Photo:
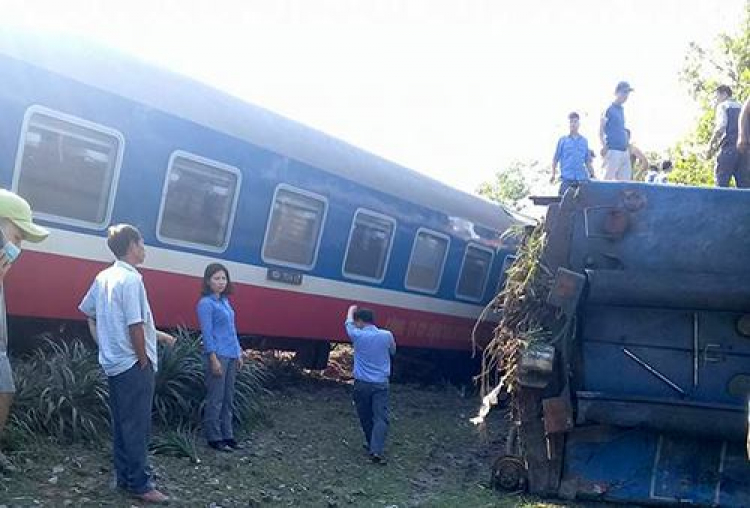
(305, 223)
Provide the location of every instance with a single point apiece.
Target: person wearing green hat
(16, 225)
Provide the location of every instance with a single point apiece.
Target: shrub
(180, 388)
(61, 392)
(177, 443)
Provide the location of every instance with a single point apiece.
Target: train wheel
(313, 356)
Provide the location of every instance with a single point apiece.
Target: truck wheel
(509, 474)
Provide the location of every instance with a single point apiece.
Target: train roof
(125, 75)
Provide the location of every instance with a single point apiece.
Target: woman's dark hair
(210, 271)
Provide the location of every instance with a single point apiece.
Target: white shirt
(721, 113)
(116, 300)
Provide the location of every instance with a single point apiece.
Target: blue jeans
(218, 411)
(371, 400)
(730, 163)
(131, 396)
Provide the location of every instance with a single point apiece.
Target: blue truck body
(647, 402)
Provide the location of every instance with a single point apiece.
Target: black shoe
(234, 445)
(220, 446)
(377, 459)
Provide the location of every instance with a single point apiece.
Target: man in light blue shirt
(573, 155)
(373, 348)
(122, 325)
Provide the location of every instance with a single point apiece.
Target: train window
(198, 202)
(294, 228)
(427, 261)
(475, 270)
(369, 246)
(67, 167)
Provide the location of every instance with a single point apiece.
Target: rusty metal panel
(558, 415)
(566, 291)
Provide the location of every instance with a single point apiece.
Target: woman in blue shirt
(223, 357)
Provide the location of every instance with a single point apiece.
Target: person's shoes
(220, 446)
(377, 459)
(153, 496)
(6, 466)
(234, 445)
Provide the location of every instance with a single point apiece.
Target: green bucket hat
(16, 209)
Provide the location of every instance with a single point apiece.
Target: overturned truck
(631, 382)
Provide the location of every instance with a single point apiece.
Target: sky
(453, 89)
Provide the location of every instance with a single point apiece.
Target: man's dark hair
(364, 315)
(666, 165)
(724, 89)
(119, 238)
(574, 116)
(212, 269)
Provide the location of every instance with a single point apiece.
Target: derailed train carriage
(305, 223)
(643, 396)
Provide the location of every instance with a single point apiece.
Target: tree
(728, 62)
(510, 185)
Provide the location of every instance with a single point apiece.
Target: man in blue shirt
(373, 348)
(614, 138)
(573, 156)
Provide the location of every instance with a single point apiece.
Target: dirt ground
(308, 452)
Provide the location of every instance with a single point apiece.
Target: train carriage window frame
(386, 260)
(269, 259)
(213, 165)
(480, 297)
(441, 272)
(69, 127)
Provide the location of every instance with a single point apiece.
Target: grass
(306, 453)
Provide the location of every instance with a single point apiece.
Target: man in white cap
(16, 225)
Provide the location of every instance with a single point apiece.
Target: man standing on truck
(638, 159)
(725, 140)
(573, 156)
(373, 349)
(614, 137)
(743, 138)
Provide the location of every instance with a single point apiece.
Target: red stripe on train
(51, 286)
